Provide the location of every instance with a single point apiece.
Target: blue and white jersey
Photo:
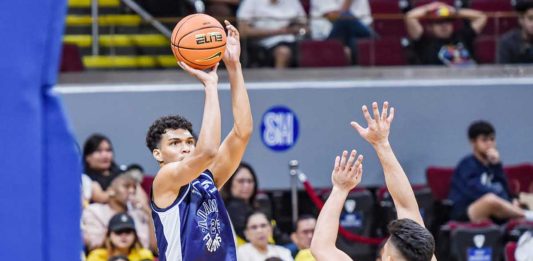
(196, 227)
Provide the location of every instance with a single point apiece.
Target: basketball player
(189, 215)
(409, 239)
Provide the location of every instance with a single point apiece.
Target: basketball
(198, 40)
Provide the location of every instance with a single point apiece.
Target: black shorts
(270, 53)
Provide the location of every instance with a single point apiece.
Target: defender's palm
(378, 128)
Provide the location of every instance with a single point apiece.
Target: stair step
(122, 40)
(104, 20)
(87, 3)
(129, 62)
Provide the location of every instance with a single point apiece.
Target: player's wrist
(340, 189)
(382, 144)
(232, 65)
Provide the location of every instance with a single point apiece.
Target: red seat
(510, 248)
(384, 6)
(329, 53)
(146, 184)
(497, 26)
(381, 52)
(389, 27)
(485, 48)
(492, 5)
(520, 178)
(439, 180)
(71, 59)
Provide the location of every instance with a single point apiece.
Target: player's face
(101, 158)
(123, 239)
(442, 29)
(304, 234)
(258, 231)
(243, 184)
(526, 21)
(483, 143)
(175, 145)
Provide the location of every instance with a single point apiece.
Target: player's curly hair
(412, 240)
(161, 125)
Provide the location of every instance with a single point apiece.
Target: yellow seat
(119, 62)
(119, 40)
(167, 61)
(87, 3)
(104, 20)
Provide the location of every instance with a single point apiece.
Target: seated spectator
(274, 24)
(439, 42)
(239, 197)
(344, 20)
(258, 231)
(136, 171)
(516, 46)
(99, 165)
(302, 235)
(121, 242)
(96, 217)
(222, 9)
(479, 189)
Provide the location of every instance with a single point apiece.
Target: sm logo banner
(279, 128)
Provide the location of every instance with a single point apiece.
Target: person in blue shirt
(190, 218)
(479, 189)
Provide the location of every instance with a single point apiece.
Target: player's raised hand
(207, 78)
(233, 45)
(347, 171)
(378, 128)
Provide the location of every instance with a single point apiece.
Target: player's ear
(157, 155)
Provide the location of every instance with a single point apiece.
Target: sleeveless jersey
(196, 227)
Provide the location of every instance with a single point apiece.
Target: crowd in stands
(117, 221)
(437, 33)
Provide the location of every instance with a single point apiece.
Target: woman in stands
(258, 231)
(121, 241)
(99, 165)
(239, 197)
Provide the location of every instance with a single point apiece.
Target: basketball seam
(198, 48)
(188, 59)
(172, 41)
(200, 29)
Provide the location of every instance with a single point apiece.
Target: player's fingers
(385, 110)
(359, 161)
(391, 115)
(188, 69)
(375, 110)
(343, 160)
(337, 162)
(357, 127)
(214, 69)
(351, 159)
(366, 114)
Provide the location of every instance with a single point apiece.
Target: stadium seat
(516, 227)
(357, 217)
(389, 27)
(146, 184)
(492, 5)
(439, 180)
(71, 59)
(497, 26)
(485, 49)
(469, 241)
(510, 248)
(329, 53)
(520, 178)
(381, 52)
(384, 7)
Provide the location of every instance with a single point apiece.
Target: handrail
(148, 17)
(95, 45)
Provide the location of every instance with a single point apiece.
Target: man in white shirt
(274, 23)
(344, 20)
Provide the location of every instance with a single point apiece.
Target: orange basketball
(198, 40)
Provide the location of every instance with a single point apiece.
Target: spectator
(439, 42)
(516, 45)
(479, 189)
(222, 9)
(239, 197)
(344, 20)
(302, 235)
(121, 242)
(99, 165)
(136, 171)
(258, 231)
(95, 218)
(274, 24)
